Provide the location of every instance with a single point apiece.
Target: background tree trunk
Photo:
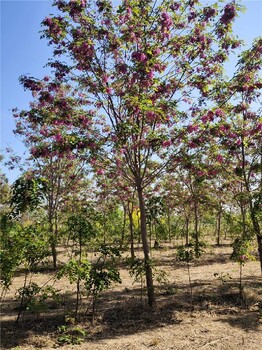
(146, 250)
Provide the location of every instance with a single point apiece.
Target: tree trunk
(259, 244)
(54, 253)
(218, 226)
(257, 230)
(131, 229)
(148, 267)
(123, 229)
(169, 224)
(53, 240)
(197, 251)
(187, 230)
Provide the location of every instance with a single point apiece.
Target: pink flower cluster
(192, 128)
(139, 56)
(167, 143)
(209, 117)
(209, 12)
(229, 14)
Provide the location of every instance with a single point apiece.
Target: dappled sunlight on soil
(216, 318)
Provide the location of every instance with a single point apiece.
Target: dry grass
(218, 319)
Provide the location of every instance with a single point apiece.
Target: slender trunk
(150, 234)
(240, 283)
(169, 224)
(197, 252)
(123, 229)
(53, 241)
(144, 237)
(22, 298)
(131, 229)
(78, 279)
(257, 229)
(104, 228)
(243, 215)
(259, 244)
(218, 226)
(187, 231)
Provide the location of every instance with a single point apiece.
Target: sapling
(242, 252)
(186, 253)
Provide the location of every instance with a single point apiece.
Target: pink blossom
(167, 143)
(151, 115)
(232, 135)
(200, 173)
(192, 144)
(259, 127)
(238, 142)
(243, 257)
(139, 56)
(109, 90)
(219, 113)
(192, 128)
(105, 78)
(219, 158)
(122, 68)
(100, 172)
(150, 75)
(204, 118)
(58, 138)
(157, 51)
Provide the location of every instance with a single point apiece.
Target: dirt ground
(216, 318)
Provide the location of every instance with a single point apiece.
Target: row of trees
(138, 112)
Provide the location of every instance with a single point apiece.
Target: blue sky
(22, 52)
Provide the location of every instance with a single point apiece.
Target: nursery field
(209, 315)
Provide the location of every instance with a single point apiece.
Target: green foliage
(34, 298)
(70, 335)
(104, 272)
(191, 250)
(81, 225)
(161, 276)
(27, 194)
(185, 252)
(35, 245)
(75, 270)
(93, 277)
(242, 250)
(21, 245)
(137, 269)
(11, 254)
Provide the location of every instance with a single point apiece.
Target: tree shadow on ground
(248, 321)
(125, 312)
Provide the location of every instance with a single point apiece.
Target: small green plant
(185, 252)
(137, 270)
(34, 298)
(242, 252)
(78, 272)
(161, 276)
(70, 335)
(102, 274)
(92, 277)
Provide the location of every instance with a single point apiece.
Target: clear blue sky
(22, 52)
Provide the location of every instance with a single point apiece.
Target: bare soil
(216, 317)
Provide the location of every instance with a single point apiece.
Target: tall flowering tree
(237, 141)
(54, 129)
(143, 68)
